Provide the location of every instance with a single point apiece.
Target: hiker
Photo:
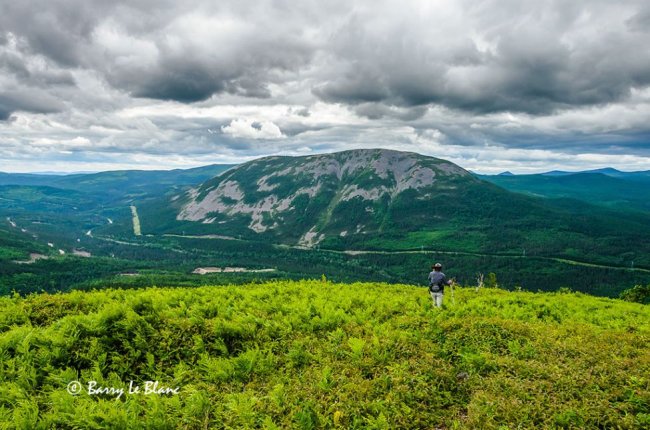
(437, 282)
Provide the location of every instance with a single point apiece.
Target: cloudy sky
(525, 86)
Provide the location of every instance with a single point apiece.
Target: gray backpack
(435, 285)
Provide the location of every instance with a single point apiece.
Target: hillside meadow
(315, 354)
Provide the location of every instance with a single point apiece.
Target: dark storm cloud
(498, 56)
(177, 76)
(15, 65)
(28, 85)
(26, 100)
(57, 29)
(535, 62)
(357, 86)
(165, 77)
(380, 110)
(640, 21)
(182, 81)
(197, 49)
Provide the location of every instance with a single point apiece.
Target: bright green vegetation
(313, 354)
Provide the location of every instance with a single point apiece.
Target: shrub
(314, 354)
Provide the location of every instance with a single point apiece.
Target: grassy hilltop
(313, 354)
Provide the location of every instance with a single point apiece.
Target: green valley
(365, 215)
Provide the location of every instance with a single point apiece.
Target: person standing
(437, 283)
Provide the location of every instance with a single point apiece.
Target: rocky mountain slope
(383, 199)
(344, 193)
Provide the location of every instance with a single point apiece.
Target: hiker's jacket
(438, 278)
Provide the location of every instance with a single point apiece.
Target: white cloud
(249, 129)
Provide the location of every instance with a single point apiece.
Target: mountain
(386, 200)
(305, 199)
(603, 187)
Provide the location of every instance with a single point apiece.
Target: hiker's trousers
(437, 299)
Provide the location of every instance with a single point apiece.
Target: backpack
(436, 283)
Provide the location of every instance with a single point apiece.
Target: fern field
(313, 354)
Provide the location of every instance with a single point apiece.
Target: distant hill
(608, 171)
(604, 187)
(605, 171)
(119, 184)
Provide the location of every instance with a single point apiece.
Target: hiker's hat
(437, 266)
